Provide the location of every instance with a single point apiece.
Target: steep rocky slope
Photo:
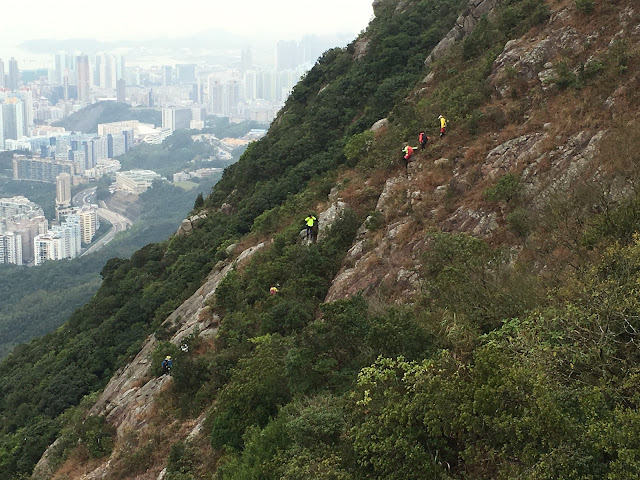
(544, 155)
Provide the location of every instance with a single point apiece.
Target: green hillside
(515, 353)
(87, 119)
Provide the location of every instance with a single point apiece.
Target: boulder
(226, 209)
(382, 123)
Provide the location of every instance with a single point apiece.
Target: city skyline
(127, 21)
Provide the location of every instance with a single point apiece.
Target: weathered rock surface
(326, 219)
(188, 223)
(523, 57)
(127, 398)
(480, 223)
(465, 24)
(560, 168)
(512, 154)
(380, 124)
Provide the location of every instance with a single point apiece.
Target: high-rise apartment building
(176, 118)
(71, 235)
(88, 154)
(63, 190)
(27, 106)
(89, 223)
(11, 248)
(40, 169)
(13, 118)
(27, 228)
(96, 70)
(108, 72)
(116, 145)
(47, 246)
(1, 74)
(167, 75)
(1, 128)
(13, 79)
(58, 73)
(246, 60)
(100, 149)
(121, 91)
(84, 77)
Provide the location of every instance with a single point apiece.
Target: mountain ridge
(470, 317)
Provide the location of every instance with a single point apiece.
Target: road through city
(119, 222)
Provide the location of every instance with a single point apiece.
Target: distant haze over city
(162, 23)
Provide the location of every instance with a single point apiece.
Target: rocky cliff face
(442, 188)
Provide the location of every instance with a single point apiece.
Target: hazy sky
(138, 19)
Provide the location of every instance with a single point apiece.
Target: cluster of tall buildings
(20, 222)
(74, 153)
(26, 237)
(237, 87)
(16, 116)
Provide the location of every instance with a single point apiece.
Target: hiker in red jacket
(423, 139)
(407, 152)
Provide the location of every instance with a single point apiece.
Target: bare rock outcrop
(464, 25)
(480, 223)
(326, 218)
(379, 125)
(127, 399)
(188, 224)
(557, 170)
(524, 57)
(511, 154)
(360, 47)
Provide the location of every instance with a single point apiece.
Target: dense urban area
(148, 103)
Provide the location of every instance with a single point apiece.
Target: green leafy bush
(507, 189)
(585, 6)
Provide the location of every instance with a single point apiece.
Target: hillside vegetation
(55, 290)
(475, 316)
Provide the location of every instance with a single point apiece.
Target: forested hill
(473, 315)
(87, 119)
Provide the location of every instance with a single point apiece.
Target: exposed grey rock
(442, 162)
(334, 194)
(382, 123)
(429, 78)
(127, 398)
(395, 229)
(327, 218)
(43, 469)
(188, 224)
(525, 57)
(440, 191)
(568, 162)
(387, 194)
(360, 48)
(510, 154)
(476, 222)
(229, 250)
(226, 208)
(547, 77)
(465, 24)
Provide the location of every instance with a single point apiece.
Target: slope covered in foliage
(514, 357)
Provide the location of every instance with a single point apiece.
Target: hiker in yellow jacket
(443, 125)
(309, 223)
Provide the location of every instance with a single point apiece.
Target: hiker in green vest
(309, 223)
